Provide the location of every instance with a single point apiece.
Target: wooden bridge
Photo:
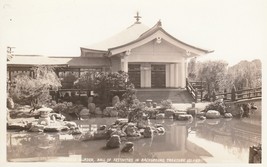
(196, 90)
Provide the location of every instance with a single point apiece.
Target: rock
(16, 126)
(148, 133)
(119, 133)
(202, 117)
(213, 114)
(129, 147)
(158, 125)
(110, 131)
(201, 113)
(185, 117)
(57, 116)
(114, 142)
(160, 116)
(114, 113)
(76, 131)
(154, 105)
(98, 111)
(121, 121)
(160, 130)
(37, 128)
(100, 135)
(91, 107)
(254, 107)
(56, 128)
(228, 115)
(115, 100)
(131, 130)
(84, 112)
(169, 113)
(71, 124)
(177, 114)
(102, 127)
(192, 111)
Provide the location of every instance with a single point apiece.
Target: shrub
(166, 104)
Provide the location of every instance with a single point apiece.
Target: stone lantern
(44, 115)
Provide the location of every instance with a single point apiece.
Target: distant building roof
(31, 60)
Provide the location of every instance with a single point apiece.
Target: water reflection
(196, 141)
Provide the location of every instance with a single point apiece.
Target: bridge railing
(240, 94)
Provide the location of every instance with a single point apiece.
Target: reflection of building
(151, 56)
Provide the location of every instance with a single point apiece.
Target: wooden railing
(240, 94)
(195, 89)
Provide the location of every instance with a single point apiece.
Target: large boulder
(148, 133)
(169, 113)
(129, 147)
(213, 114)
(114, 142)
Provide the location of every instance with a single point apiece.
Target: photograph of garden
(142, 95)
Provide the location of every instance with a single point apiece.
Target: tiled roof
(135, 33)
(128, 35)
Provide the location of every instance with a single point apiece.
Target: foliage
(213, 72)
(245, 74)
(105, 82)
(166, 104)
(35, 90)
(86, 81)
(192, 69)
(218, 105)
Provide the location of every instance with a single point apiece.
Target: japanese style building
(152, 57)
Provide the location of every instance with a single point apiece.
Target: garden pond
(201, 141)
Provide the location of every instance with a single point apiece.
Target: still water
(209, 141)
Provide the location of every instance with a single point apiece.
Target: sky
(234, 29)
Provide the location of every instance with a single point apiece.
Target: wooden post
(233, 94)
(196, 95)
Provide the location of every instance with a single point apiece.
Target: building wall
(163, 53)
(116, 63)
(154, 52)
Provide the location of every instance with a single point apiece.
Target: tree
(35, 90)
(245, 74)
(213, 73)
(192, 71)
